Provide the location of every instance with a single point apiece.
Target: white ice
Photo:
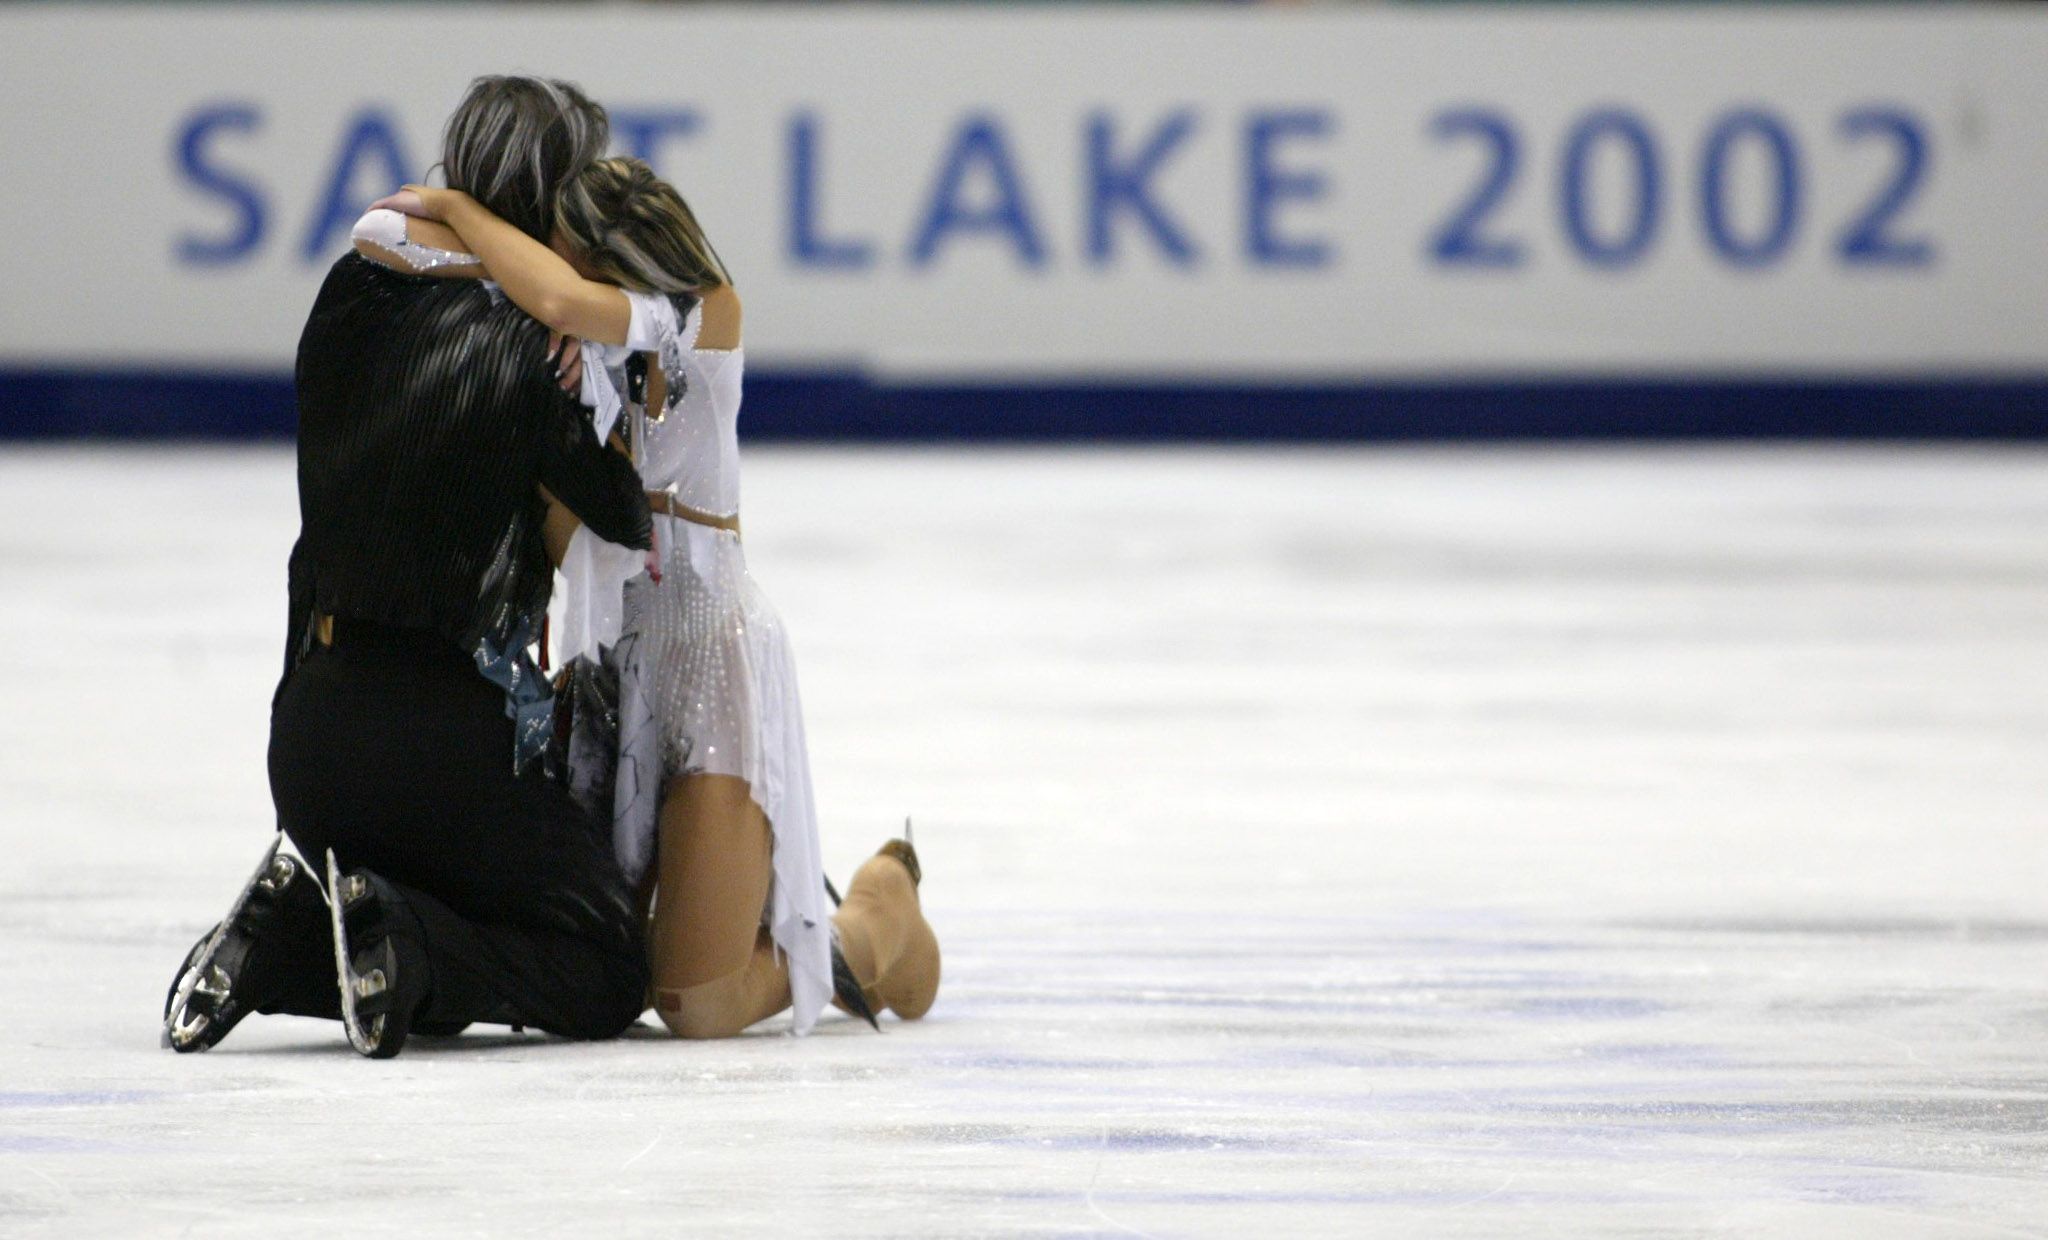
(1329, 842)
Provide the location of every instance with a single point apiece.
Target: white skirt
(707, 685)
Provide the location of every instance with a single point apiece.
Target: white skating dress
(706, 680)
(707, 684)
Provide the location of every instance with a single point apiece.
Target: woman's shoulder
(719, 318)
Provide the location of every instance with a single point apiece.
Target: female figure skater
(709, 707)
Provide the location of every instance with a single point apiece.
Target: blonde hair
(636, 231)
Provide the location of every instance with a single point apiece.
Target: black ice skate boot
(378, 962)
(241, 962)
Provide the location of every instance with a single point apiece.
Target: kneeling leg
(715, 969)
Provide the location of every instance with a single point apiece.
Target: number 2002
(1874, 235)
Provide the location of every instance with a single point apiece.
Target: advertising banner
(1044, 203)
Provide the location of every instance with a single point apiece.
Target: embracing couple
(537, 367)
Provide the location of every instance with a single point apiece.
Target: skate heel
(365, 964)
(209, 995)
(369, 978)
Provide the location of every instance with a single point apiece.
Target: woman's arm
(422, 247)
(376, 234)
(538, 280)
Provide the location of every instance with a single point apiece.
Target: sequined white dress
(707, 681)
(707, 684)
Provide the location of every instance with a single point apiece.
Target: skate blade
(365, 1041)
(179, 1032)
(182, 1032)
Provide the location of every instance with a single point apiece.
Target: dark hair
(514, 142)
(637, 231)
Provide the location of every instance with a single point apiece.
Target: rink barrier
(797, 405)
(1318, 222)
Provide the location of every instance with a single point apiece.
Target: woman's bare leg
(715, 968)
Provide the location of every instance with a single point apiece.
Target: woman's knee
(708, 1010)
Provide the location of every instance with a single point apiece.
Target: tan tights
(715, 968)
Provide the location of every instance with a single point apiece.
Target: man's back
(426, 421)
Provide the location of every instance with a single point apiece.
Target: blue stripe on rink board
(111, 404)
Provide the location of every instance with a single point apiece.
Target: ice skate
(221, 977)
(376, 1010)
(846, 987)
(908, 982)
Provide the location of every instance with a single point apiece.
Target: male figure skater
(463, 886)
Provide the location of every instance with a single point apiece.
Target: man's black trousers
(391, 749)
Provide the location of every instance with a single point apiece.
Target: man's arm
(597, 485)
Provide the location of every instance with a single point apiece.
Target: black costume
(426, 421)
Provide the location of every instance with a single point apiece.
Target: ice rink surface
(1338, 843)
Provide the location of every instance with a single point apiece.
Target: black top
(426, 419)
